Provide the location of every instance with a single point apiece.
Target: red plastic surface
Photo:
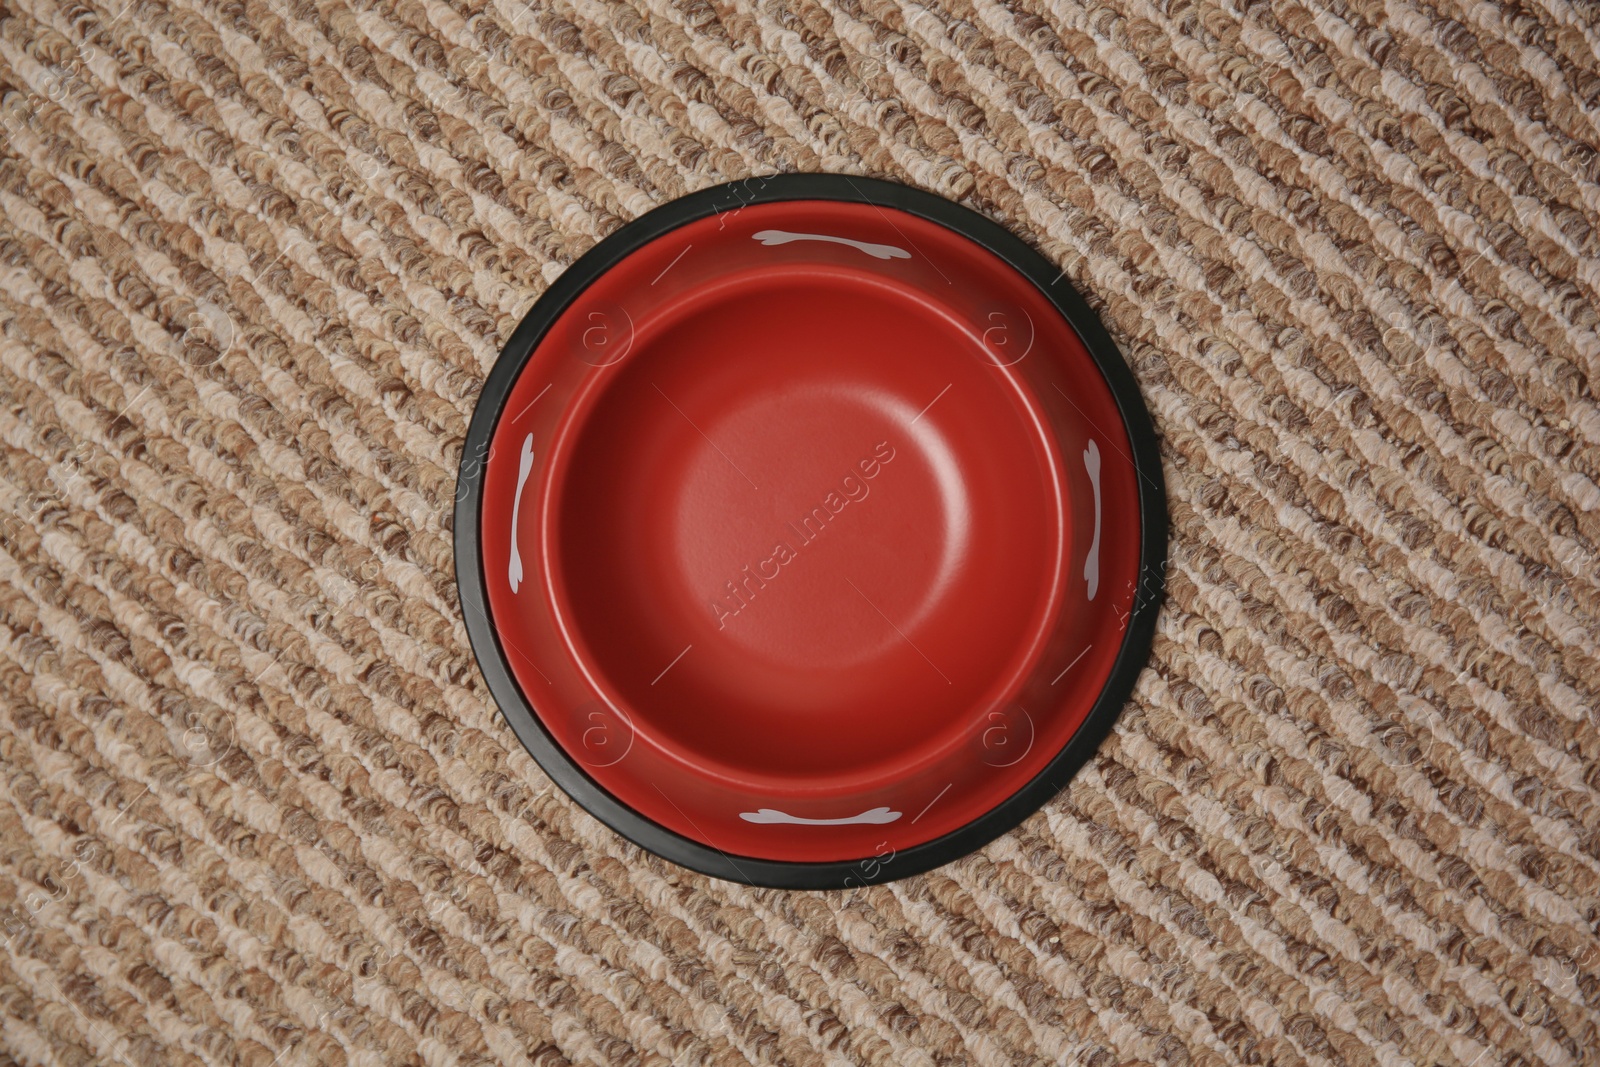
(826, 532)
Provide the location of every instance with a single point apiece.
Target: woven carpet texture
(257, 807)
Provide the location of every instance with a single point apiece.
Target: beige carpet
(256, 257)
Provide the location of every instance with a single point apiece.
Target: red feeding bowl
(810, 531)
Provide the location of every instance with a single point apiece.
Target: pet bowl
(810, 531)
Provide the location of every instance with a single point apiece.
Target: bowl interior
(839, 529)
(814, 510)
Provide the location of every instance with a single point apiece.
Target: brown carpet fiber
(257, 808)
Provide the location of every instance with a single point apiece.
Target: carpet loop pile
(256, 806)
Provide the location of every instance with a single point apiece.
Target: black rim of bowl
(567, 773)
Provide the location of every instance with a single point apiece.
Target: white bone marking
(773, 816)
(1091, 565)
(514, 570)
(783, 237)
